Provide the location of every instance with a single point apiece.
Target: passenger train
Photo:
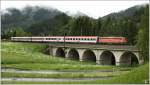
(73, 39)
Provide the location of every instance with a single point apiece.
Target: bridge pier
(81, 51)
(117, 55)
(98, 53)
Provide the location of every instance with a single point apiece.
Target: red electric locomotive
(115, 40)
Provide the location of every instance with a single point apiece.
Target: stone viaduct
(101, 54)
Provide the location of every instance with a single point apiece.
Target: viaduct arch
(73, 54)
(128, 58)
(60, 52)
(89, 55)
(107, 58)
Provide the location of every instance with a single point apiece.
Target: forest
(132, 23)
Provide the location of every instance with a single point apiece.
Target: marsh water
(52, 79)
(50, 72)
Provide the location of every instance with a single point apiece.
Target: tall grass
(30, 56)
(17, 53)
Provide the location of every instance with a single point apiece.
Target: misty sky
(93, 9)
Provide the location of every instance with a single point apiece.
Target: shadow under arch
(107, 58)
(128, 59)
(89, 55)
(60, 52)
(73, 54)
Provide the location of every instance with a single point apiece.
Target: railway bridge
(100, 54)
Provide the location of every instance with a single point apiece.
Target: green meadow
(30, 56)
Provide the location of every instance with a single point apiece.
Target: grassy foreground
(29, 56)
(136, 76)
